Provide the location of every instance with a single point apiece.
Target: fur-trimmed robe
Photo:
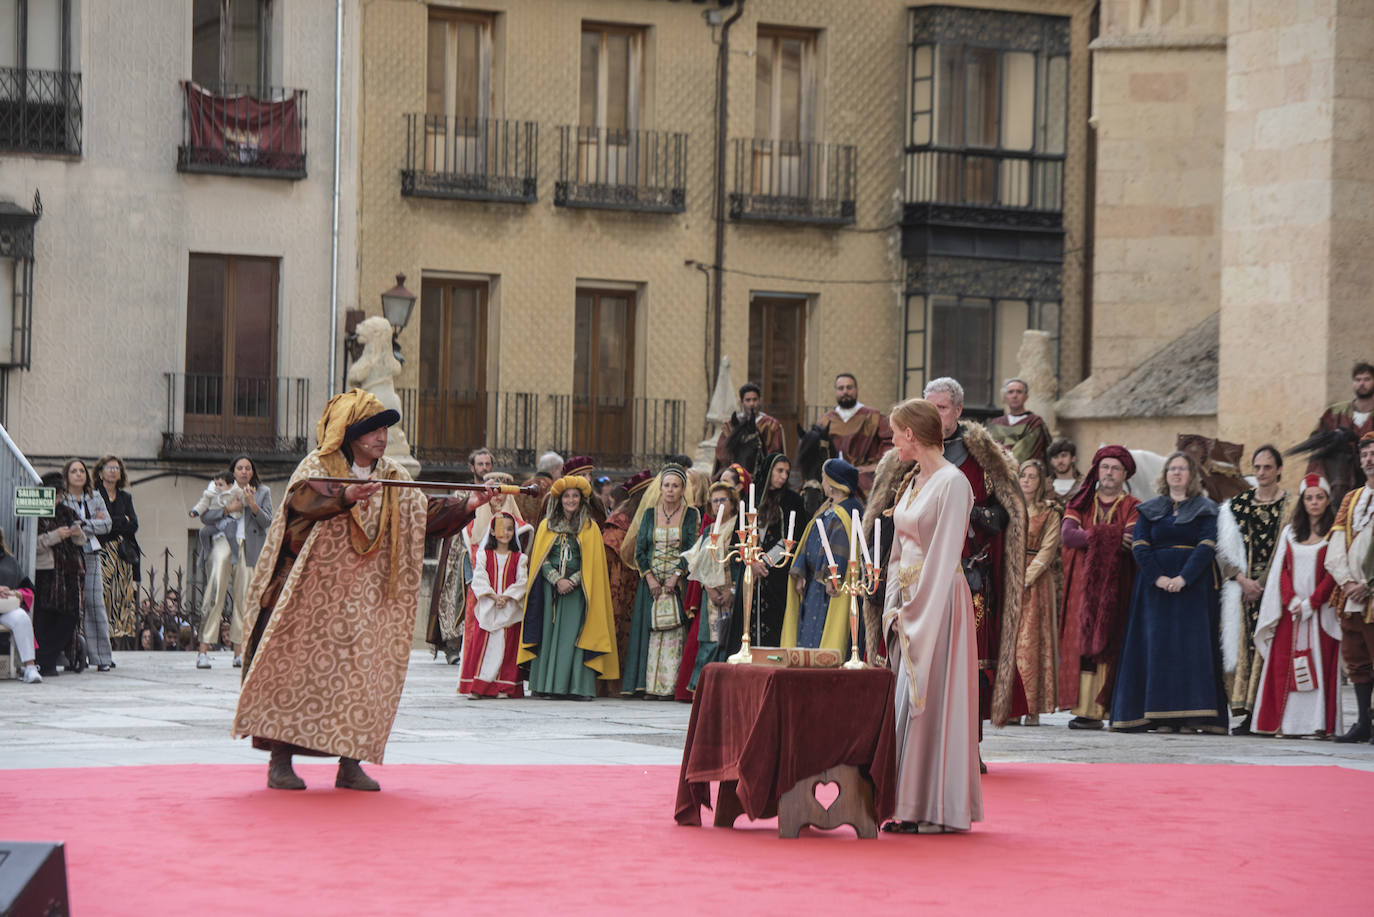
(1000, 477)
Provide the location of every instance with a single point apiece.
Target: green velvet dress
(559, 669)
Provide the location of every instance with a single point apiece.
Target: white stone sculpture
(721, 408)
(375, 371)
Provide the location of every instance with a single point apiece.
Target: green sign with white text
(34, 501)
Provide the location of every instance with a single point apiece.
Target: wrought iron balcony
(621, 170)
(40, 111)
(243, 130)
(471, 159)
(784, 181)
(620, 433)
(212, 417)
(984, 187)
(444, 426)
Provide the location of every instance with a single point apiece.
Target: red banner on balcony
(242, 130)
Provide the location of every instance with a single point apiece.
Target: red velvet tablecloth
(769, 727)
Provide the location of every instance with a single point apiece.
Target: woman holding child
(241, 525)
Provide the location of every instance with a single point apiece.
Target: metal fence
(994, 178)
(21, 532)
(621, 170)
(40, 111)
(481, 159)
(619, 433)
(794, 182)
(214, 417)
(444, 426)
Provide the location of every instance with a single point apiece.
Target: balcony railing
(790, 182)
(471, 159)
(621, 170)
(214, 417)
(40, 111)
(620, 433)
(243, 130)
(993, 181)
(444, 426)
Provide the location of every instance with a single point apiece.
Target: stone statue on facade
(375, 371)
(721, 408)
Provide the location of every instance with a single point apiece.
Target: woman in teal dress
(666, 528)
(568, 634)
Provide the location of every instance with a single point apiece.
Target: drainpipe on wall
(334, 227)
(722, 124)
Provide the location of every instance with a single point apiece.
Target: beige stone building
(1230, 274)
(166, 226)
(902, 195)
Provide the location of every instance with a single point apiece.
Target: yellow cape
(598, 626)
(835, 635)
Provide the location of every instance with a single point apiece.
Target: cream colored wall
(118, 225)
(1298, 225)
(540, 251)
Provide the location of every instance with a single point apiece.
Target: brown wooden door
(603, 375)
(231, 322)
(451, 406)
(777, 357)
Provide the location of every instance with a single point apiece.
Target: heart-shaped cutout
(826, 793)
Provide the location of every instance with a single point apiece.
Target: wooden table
(769, 735)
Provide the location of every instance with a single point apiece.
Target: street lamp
(397, 304)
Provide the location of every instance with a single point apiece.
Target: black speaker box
(33, 880)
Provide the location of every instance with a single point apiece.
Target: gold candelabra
(860, 578)
(750, 552)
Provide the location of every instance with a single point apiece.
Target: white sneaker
(203, 661)
(238, 662)
(31, 676)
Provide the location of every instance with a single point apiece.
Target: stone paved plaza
(157, 708)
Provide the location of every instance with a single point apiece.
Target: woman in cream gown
(929, 628)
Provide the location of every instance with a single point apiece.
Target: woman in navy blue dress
(1169, 675)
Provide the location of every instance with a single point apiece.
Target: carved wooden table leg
(728, 807)
(853, 804)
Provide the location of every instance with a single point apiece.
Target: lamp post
(397, 304)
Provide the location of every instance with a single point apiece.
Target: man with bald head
(1020, 431)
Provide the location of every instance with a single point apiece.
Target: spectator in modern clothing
(94, 520)
(119, 552)
(234, 556)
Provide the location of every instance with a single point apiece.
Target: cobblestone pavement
(157, 708)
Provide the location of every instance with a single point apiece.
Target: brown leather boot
(352, 777)
(280, 776)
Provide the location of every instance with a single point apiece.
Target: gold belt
(910, 575)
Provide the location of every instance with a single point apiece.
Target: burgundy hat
(638, 481)
(579, 464)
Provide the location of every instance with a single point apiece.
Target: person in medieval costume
(1037, 647)
(749, 435)
(1021, 432)
(717, 577)
(664, 528)
(1168, 675)
(777, 506)
(451, 594)
(1335, 440)
(491, 632)
(817, 613)
(1350, 561)
(624, 578)
(568, 632)
(994, 552)
(1099, 574)
(857, 433)
(1248, 529)
(1298, 637)
(338, 581)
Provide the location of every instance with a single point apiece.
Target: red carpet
(1059, 839)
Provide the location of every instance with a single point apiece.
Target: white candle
(863, 542)
(715, 526)
(853, 543)
(825, 543)
(878, 540)
(791, 523)
(742, 530)
(752, 507)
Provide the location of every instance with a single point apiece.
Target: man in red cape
(1099, 573)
